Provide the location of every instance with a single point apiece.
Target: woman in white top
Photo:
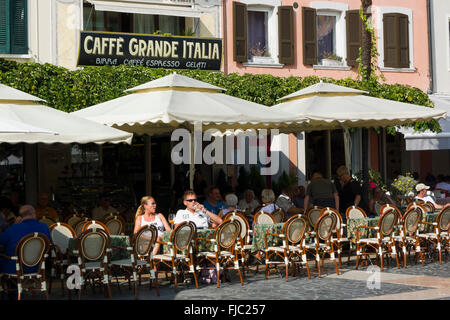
(146, 215)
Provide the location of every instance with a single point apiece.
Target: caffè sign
(110, 48)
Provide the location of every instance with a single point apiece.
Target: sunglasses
(190, 200)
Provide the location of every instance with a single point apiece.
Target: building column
(301, 158)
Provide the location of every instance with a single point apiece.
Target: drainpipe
(224, 33)
(430, 46)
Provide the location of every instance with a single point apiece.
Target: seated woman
(146, 215)
(268, 200)
(196, 213)
(231, 201)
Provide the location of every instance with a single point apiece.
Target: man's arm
(306, 202)
(336, 200)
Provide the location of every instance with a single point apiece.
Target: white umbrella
(329, 106)
(42, 124)
(429, 140)
(173, 101)
(12, 126)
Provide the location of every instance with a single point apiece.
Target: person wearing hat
(421, 189)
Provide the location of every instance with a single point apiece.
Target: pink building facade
(320, 38)
(264, 30)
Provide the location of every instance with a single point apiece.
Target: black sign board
(110, 48)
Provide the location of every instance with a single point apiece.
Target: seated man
(43, 209)
(196, 213)
(25, 224)
(422, 195)
(104, 208)
(214, 202)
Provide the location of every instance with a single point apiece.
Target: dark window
(131, 22)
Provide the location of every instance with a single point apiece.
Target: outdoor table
(203, 246)
(259, 233)
(116, 240)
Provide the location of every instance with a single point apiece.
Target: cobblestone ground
(431, 281)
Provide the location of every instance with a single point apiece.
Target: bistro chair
(31, 251)
(279, 215)
(73, 219)
(92, 249)
(429, 206)
(244, 244)
(79, 225)
(355, 212)
(225, 255)
(48, 221)
(409, 228)
(323, 240)
(440, 237)
(292, 251)
(115, 224)
(141, 258)
(60, 234)
(262, 217)
(384, 242)
(386, 207)
(95, 224)
(180, 254)
(339, 231)
(414, 205)
(312, 215)
(377, 207)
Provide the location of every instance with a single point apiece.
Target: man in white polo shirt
(196, 213)
(422, 195)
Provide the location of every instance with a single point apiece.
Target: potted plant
(259, 53)
(331, 59)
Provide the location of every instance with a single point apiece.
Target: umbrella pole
(192, 164)
(148, 165)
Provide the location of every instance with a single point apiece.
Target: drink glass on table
(171, 218)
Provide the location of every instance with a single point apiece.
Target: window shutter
(4, 27)
(396, 40)
(286, 35)
(240, 32)
(309, 27)
(390, 40)
(19, 35)
(403, 41)
(354, 36)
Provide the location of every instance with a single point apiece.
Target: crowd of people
(208, 211)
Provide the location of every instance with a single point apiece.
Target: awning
(179, 8)
(428, 140)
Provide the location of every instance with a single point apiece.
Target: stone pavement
(416, 282)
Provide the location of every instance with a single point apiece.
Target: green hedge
(73, 90)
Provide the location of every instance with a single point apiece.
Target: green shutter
(19, 34)
(286, 35)
(4, 27)
(354, 36)
(309, 36)
(239, 32)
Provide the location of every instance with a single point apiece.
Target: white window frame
(337, 9)
(271, 7)
(406, 11)
(447, 27)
